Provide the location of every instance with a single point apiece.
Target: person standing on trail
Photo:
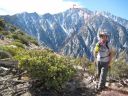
(102, 54)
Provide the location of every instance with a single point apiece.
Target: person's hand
(109, 66)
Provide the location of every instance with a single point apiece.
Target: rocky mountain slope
(13, 36)
(73, 32)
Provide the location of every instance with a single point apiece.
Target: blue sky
(116, 7)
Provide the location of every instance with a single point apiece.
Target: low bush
(4, 54)
(11, 49)
(18, 44)
(119, 70)
(51, 70)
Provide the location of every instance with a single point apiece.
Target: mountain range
(73, 32)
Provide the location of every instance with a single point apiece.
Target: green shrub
(91, 69)
(1, 28)
(11, 49)
(4, 54)
(2, 24)
(18, 44)
(119, 70)
(12, 28)
(4, 33)
(35, 42)
(24, 41)
(21, 38)
(52, 70)
(32, 40)
(14, 36)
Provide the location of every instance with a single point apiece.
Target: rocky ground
(5, 41)
(14, 83)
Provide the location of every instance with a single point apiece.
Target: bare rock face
(10, 85)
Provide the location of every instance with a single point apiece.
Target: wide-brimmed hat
(103, 34)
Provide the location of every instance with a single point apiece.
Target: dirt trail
(113, 92)
(5, 41)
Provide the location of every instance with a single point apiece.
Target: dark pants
(102, 69)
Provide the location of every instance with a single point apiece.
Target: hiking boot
(104, 88)
(98, 90)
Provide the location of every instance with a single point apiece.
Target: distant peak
(80, 9)
(48, 15)
(26, 13)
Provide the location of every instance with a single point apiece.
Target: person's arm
(95, 52)
(110, 54)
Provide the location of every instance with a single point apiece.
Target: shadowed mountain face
(73, 32)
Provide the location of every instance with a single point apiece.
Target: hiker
(102, 54)
(2, 37)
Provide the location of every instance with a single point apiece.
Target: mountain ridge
(57, 30)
